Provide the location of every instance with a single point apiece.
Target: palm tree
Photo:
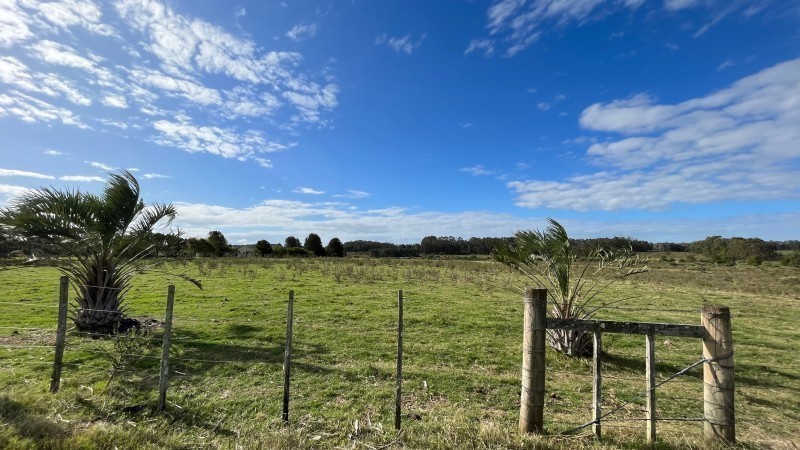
(106, 236)
(547, 257)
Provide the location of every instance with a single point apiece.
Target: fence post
(531, 406)
(650, 377)
(718, 373)
(399, 385)
(287, 358)
(163, 381)
(597, 386)
(61, 334)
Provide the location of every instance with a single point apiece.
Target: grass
(461, 359)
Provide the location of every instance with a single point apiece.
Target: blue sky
(665, 120)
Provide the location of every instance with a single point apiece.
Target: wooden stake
(163, 381)
(718, 374)
(531, 406)
(287, 358)
(597, 386)
(399, 385)
(650, 376)
(61, 334)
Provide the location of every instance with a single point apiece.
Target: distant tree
(335, 248)
(171, 244)
(792, 259)
(200, 246)
(313, 244)
(292, 242)
(297, 251)
(218, 243)
(279, 251)
(264, 247)
(429, 245)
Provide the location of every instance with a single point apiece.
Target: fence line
(26, 346)
(28, 329)
(409, 299)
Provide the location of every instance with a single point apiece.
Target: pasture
(463, 330)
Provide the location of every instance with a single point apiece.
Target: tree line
(715, 248)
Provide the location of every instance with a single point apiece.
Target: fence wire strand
(643, 393)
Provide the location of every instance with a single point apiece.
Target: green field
(462, 355)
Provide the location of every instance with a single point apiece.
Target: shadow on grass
(637, 366)
(201, 354)
(29, 425)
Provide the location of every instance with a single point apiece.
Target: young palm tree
(547, 258)
(104, 236)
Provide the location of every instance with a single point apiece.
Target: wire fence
(380, 324)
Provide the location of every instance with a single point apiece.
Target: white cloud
(66, 56)
(16, 73)
(737, 144)
(477, 170)
(186, 88)
(114, 123)
(23, 173)
(33, 110)
(404, 225)
(81, 178)
(13, 24)
(9, 192)
(334, 219)
(520, 23)
(52, 152)
(308, 190)
(353, 193)
(312, 101)
(544, 106)
(245, 102)
(115, 101)
(152, 176)
(675, 5)
(725, 64)
(403, 44)
(70, 13)
(227, 143)
(302, 32)
(484, 45)
(188, 45)
(263, 162)
(101, 166)
(171, 60)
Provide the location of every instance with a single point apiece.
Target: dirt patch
(24, 336)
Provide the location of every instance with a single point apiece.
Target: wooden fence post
(287, 358)
(399, 385)
(531, 406)
(597, 389)
(163, 381)
(650, 377)
(61, 334)
(718, 373)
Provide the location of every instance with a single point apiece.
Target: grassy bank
(461, 367)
